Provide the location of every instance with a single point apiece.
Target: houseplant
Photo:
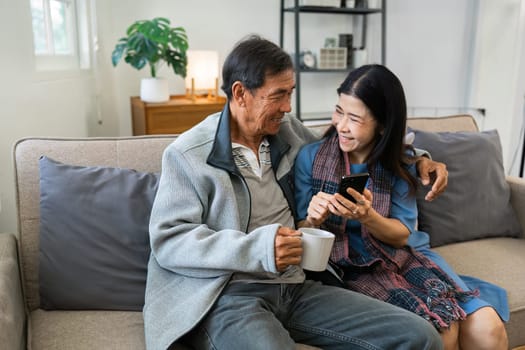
(153, 42)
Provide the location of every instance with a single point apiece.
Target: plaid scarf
(399, 276)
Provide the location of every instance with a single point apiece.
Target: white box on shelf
(333, 58)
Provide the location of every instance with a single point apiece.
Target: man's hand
(288, 248)
(432, 172)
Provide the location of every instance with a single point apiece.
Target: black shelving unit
(297, 10)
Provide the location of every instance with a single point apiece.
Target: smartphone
(355, 181)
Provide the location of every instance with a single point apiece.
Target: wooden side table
(177, 115)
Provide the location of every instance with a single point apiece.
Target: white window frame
(76, 23)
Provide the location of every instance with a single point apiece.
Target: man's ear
(239, 93)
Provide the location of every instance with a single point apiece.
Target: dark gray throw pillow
(94, 241)
(476, 203)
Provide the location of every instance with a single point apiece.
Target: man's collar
(221, 153)
(264, 142)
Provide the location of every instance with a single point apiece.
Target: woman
(371, 252)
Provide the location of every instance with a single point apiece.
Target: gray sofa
(25, 324)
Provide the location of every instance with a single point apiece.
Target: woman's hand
(387, 230)
(318, 211)
(359, 210)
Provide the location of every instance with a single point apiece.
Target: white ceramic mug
(317, 245)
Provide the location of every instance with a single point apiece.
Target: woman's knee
(483, 329)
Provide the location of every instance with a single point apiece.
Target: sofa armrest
(517, 199)
(12, 310)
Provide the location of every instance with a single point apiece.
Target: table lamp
(202, 74)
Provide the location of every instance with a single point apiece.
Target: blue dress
(404, 208)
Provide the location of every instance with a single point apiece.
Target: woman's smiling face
(356, 126)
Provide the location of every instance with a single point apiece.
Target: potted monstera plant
(154, 43)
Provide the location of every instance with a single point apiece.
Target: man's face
(265, 108)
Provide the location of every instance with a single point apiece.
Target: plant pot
(154, 90)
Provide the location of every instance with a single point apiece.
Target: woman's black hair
(382, 92)
(250, 61)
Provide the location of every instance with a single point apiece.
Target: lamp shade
(203, 69)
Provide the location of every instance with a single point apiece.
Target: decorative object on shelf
(348, 4)
(330, 42)
(347, 40)
(332, 58)
(361, 4)
(307, 60)
(202, 73)
(153, 42)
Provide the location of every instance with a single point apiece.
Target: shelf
(294, 11)
(333, 10)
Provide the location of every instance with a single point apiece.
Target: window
(56, 28)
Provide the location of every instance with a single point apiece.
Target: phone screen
(355, 181)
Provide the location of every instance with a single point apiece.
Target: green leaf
(117, 53)
(136, 61)
(151, 42)
(178, 62)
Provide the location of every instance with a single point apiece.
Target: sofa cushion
(476, 203)
(94, 242)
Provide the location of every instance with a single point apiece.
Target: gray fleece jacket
(199, 221)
